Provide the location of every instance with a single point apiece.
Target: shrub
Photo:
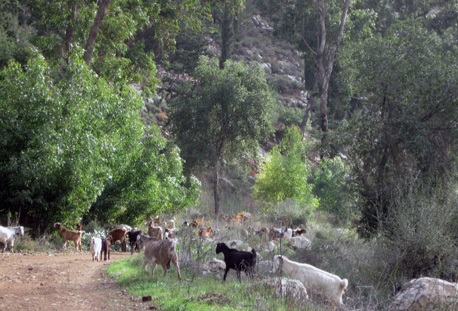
(330, 182)
(418, 237)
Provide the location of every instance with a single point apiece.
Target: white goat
(326, 284)
(96, 249)
(8, 234)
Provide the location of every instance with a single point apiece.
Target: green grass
(194, 292)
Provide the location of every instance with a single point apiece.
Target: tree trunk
(95, 30)
(325, 58)
(227, 37)
(70, 31)
(216, 195)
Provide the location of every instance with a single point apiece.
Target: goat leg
(225, 273)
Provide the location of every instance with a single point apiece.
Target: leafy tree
(330, 182)
(66, 140)
(226, 14)
(405, 126)
(111, 33)
(285, 173)
(153, 183)
(14, 38)
(223, 114)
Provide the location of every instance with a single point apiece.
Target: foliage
(285, 173)
(120, 48)
(222, 115)
(153, 183)
(418, 236)
(189, 46)
(199, 294)
(330, 186)
(14, 38)
(404, 127)
(62, 139)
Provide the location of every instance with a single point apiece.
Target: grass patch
(203, 293)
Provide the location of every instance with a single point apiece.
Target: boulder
(289, 289)
(426, 294)
(214, 266)
(299, 242)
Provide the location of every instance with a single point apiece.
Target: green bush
(330, 182)
(418, 237)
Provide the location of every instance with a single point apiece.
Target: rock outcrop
(426, 294)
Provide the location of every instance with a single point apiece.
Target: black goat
(133, 240)
(237, 260)
(106, 244)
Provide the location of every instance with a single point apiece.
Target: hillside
(254, 43)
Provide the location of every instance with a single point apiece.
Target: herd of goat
(159, 246)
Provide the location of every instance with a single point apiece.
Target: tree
(226, 13)
(404, 131)
(325, 54)
(14, 38)
(62, 139)
(111, 33)
(285, 173)
(317, 29)
(153, 183)
(223, 114)
(94, 29)
(330, 181)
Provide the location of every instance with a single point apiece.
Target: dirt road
(61, 281)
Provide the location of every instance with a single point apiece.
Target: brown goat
(160, 252)
(106, 244)
(69, 235)
(154, 231)
(205, 233)
(119, 234)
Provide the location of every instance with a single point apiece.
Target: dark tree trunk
(325, 58)
(70, 32)
(227, 37)
(95, 30)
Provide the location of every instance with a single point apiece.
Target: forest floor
(62, 281)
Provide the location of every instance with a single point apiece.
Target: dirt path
(61, 281)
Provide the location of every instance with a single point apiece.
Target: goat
(69, 235)
(170, 233)
(133, 240)
(205, 233)
(119, 234)
(8, 235)
(161, 252)
(127, 227)
(299, 231)
(106, 244)
(326, 284)
(237, 260)
(143, 239)
(277, 233)
(154, 231)
(96, 249)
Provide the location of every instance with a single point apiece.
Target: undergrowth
(192, 294)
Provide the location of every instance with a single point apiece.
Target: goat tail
(254, 253)
(174, 244)
(344, 284)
